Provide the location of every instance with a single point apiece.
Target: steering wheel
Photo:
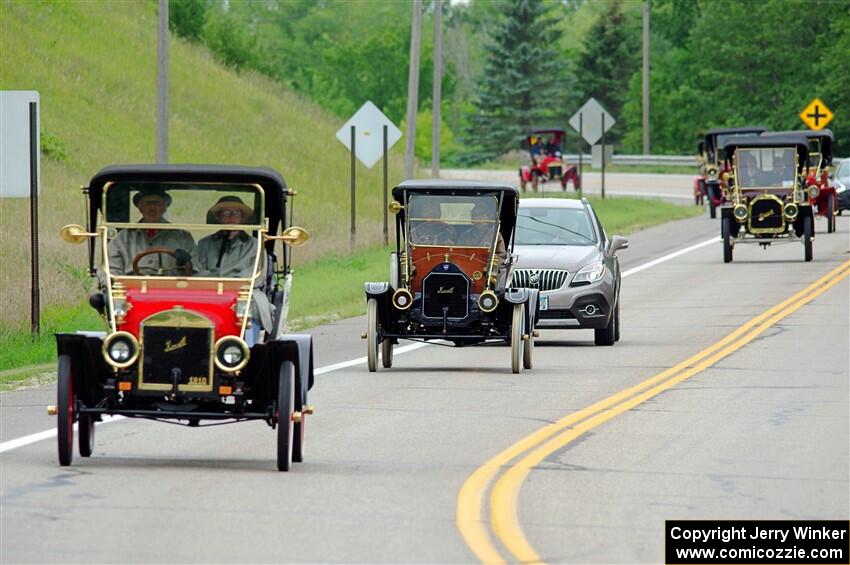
(436, 233)
(185, 269)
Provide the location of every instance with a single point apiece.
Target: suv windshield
(182, 229)
(463, 221)
(554, 226)
(769, 167)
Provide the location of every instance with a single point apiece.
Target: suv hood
(569, 257)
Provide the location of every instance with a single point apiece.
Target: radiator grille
(445, 290)
(169, 348)
(766, 216)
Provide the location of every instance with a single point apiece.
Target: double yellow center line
(533, 449)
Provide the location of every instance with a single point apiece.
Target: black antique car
(713, 164)
(182, 312)
(768, 202)
(450, 275)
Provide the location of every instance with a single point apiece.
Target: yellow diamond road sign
(816, 115)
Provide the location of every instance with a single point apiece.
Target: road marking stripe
(505, 492)
(47, 434)
(33, 438)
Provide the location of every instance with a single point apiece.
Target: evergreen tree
(610, 56)
(523, 80)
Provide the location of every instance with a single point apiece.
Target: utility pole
(412, 89)
(162, 83)
(438, 78)
(646, 77)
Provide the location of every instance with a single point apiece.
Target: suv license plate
(544, 302)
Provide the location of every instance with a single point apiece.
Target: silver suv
(563, 251)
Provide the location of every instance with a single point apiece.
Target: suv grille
(541, 279)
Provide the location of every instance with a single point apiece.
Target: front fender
(382, 292)
(530, 296)
(295, 348)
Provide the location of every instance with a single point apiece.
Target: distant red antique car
(547, 160)
(187, 274)
(821, 191)
(710, 183)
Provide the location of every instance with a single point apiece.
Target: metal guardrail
(682, 160)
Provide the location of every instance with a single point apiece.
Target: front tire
(807, 238)
(528, 351)
(608, 334)
(617, 325)
(65, 411)
(726, 235)
(285, 408)
(517, 343)
(830, 213)
(372, 334)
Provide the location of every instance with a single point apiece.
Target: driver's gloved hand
(182, 257)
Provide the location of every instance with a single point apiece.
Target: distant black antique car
(177, 345)
(713, 164)
(450, 274)
(768, 202)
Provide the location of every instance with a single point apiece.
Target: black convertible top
(508, 192)
(825, 137)
(796, 140)
(742, 129)
(274, 186)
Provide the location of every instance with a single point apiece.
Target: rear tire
(517, 343)
(712, 208)
(387, 352)
(372, 334)
(65, 411)
(807, 238)
(528, 351)
(726, 235)
(608, 334)
(830, 213)
(285, 408)
(85, 435)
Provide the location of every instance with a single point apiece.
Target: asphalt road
(763, 433)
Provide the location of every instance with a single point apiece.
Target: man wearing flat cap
(129, 243)
(231, 253)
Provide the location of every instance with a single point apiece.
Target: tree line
(511, 65)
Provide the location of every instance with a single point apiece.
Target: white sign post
(591, 122)
(20, 169)
(369, 134)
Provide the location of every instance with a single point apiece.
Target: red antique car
(713, 165)
(193, 290)
(821, 191)
(547, 160)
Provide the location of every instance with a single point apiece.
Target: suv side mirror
(618, 242)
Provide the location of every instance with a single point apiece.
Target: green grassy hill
(94, 64)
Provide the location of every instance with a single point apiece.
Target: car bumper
(579, 308)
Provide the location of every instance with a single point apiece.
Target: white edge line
(40, 436)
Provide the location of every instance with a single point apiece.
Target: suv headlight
(121, 349)
(589, 273)
(231, 353)
(839, 186)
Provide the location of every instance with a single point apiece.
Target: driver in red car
(129, 243)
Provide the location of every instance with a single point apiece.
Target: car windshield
(554, 226)
(768, 167)
(450, 220)
(182, 229)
